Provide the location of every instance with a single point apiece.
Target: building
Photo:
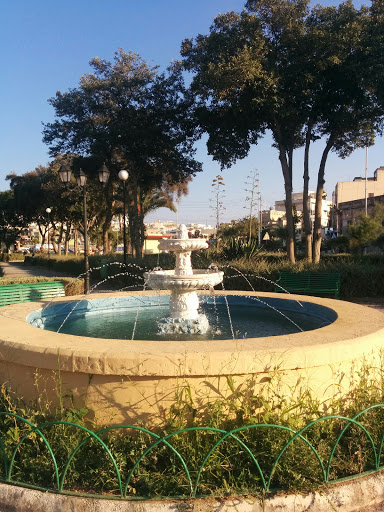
(349, 200)
(273, 218)
(297, 201)
(349, 212)
(346, 191)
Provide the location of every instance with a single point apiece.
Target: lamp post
(65, 173)
(48, 210)
(123, 176)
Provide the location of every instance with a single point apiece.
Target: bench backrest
(310, 281)
(30, 292)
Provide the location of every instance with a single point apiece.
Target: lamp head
(104, 174)
(123, 175)
(81, 179)
(65, 173)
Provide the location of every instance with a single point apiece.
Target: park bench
(29, 292)
(310, 283)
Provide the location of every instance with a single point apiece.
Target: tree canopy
(131, 117)
(295, 71)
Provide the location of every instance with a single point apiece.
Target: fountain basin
(125, 381)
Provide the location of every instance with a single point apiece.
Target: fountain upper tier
(183, 281)
(183, 277)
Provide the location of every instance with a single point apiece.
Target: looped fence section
(131, 462)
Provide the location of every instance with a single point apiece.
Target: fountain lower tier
(184, 302)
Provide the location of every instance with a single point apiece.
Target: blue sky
(45, 46)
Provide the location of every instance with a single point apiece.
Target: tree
(129, 116)
(248, 79)
(30, 199)
(36, 190)
(11, 223)
(254, 191)
(218, 196)
(368, 230)
(344, 111)
(238, 228)
(300, 74)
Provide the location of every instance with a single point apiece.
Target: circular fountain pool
(126, 381)
(229, 316)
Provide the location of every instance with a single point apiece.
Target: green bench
(29, 292)
(310, 283)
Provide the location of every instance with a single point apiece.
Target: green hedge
(72, 285)
(12, 256)
(361, 276)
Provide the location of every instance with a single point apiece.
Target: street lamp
(65, 173)
(123, 176)
(48, 210)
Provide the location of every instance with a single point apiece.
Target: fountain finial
(182, 232)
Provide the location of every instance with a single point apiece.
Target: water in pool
(248, 321)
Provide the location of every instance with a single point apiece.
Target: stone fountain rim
(355, 327)
(183, 244)
(195, 275)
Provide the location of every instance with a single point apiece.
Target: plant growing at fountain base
(238, 446)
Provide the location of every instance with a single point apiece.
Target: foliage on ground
(229, 470)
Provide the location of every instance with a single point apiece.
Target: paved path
(18, 269)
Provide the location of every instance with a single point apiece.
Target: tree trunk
(43, 234)
(76, 241)
(54, 242)
(131, 227)
(319, 201)
(106, 245)
(287, 173)
(108, 194)
(142, 226)
(306, 212)
(136, 226)
(67, 238)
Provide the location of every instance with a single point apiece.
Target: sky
(45, 46)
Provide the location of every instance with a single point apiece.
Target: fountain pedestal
(183, 282)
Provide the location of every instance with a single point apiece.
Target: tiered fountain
(127, 380)
(183, 282)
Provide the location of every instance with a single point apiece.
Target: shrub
(12, 256)
(72, 285)
(361, 275)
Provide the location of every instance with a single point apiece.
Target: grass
(263, 422)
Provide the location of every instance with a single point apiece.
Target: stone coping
(364, 494)
(348, 337)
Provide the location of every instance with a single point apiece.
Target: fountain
(183, 283)
(134, 375)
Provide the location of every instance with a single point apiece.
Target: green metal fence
(128, 462)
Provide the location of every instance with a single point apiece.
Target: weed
(245, 444)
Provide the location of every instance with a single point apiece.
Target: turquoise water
(126, 317)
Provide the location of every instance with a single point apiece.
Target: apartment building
(346, 191)
(297, 200)
(351, 197)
